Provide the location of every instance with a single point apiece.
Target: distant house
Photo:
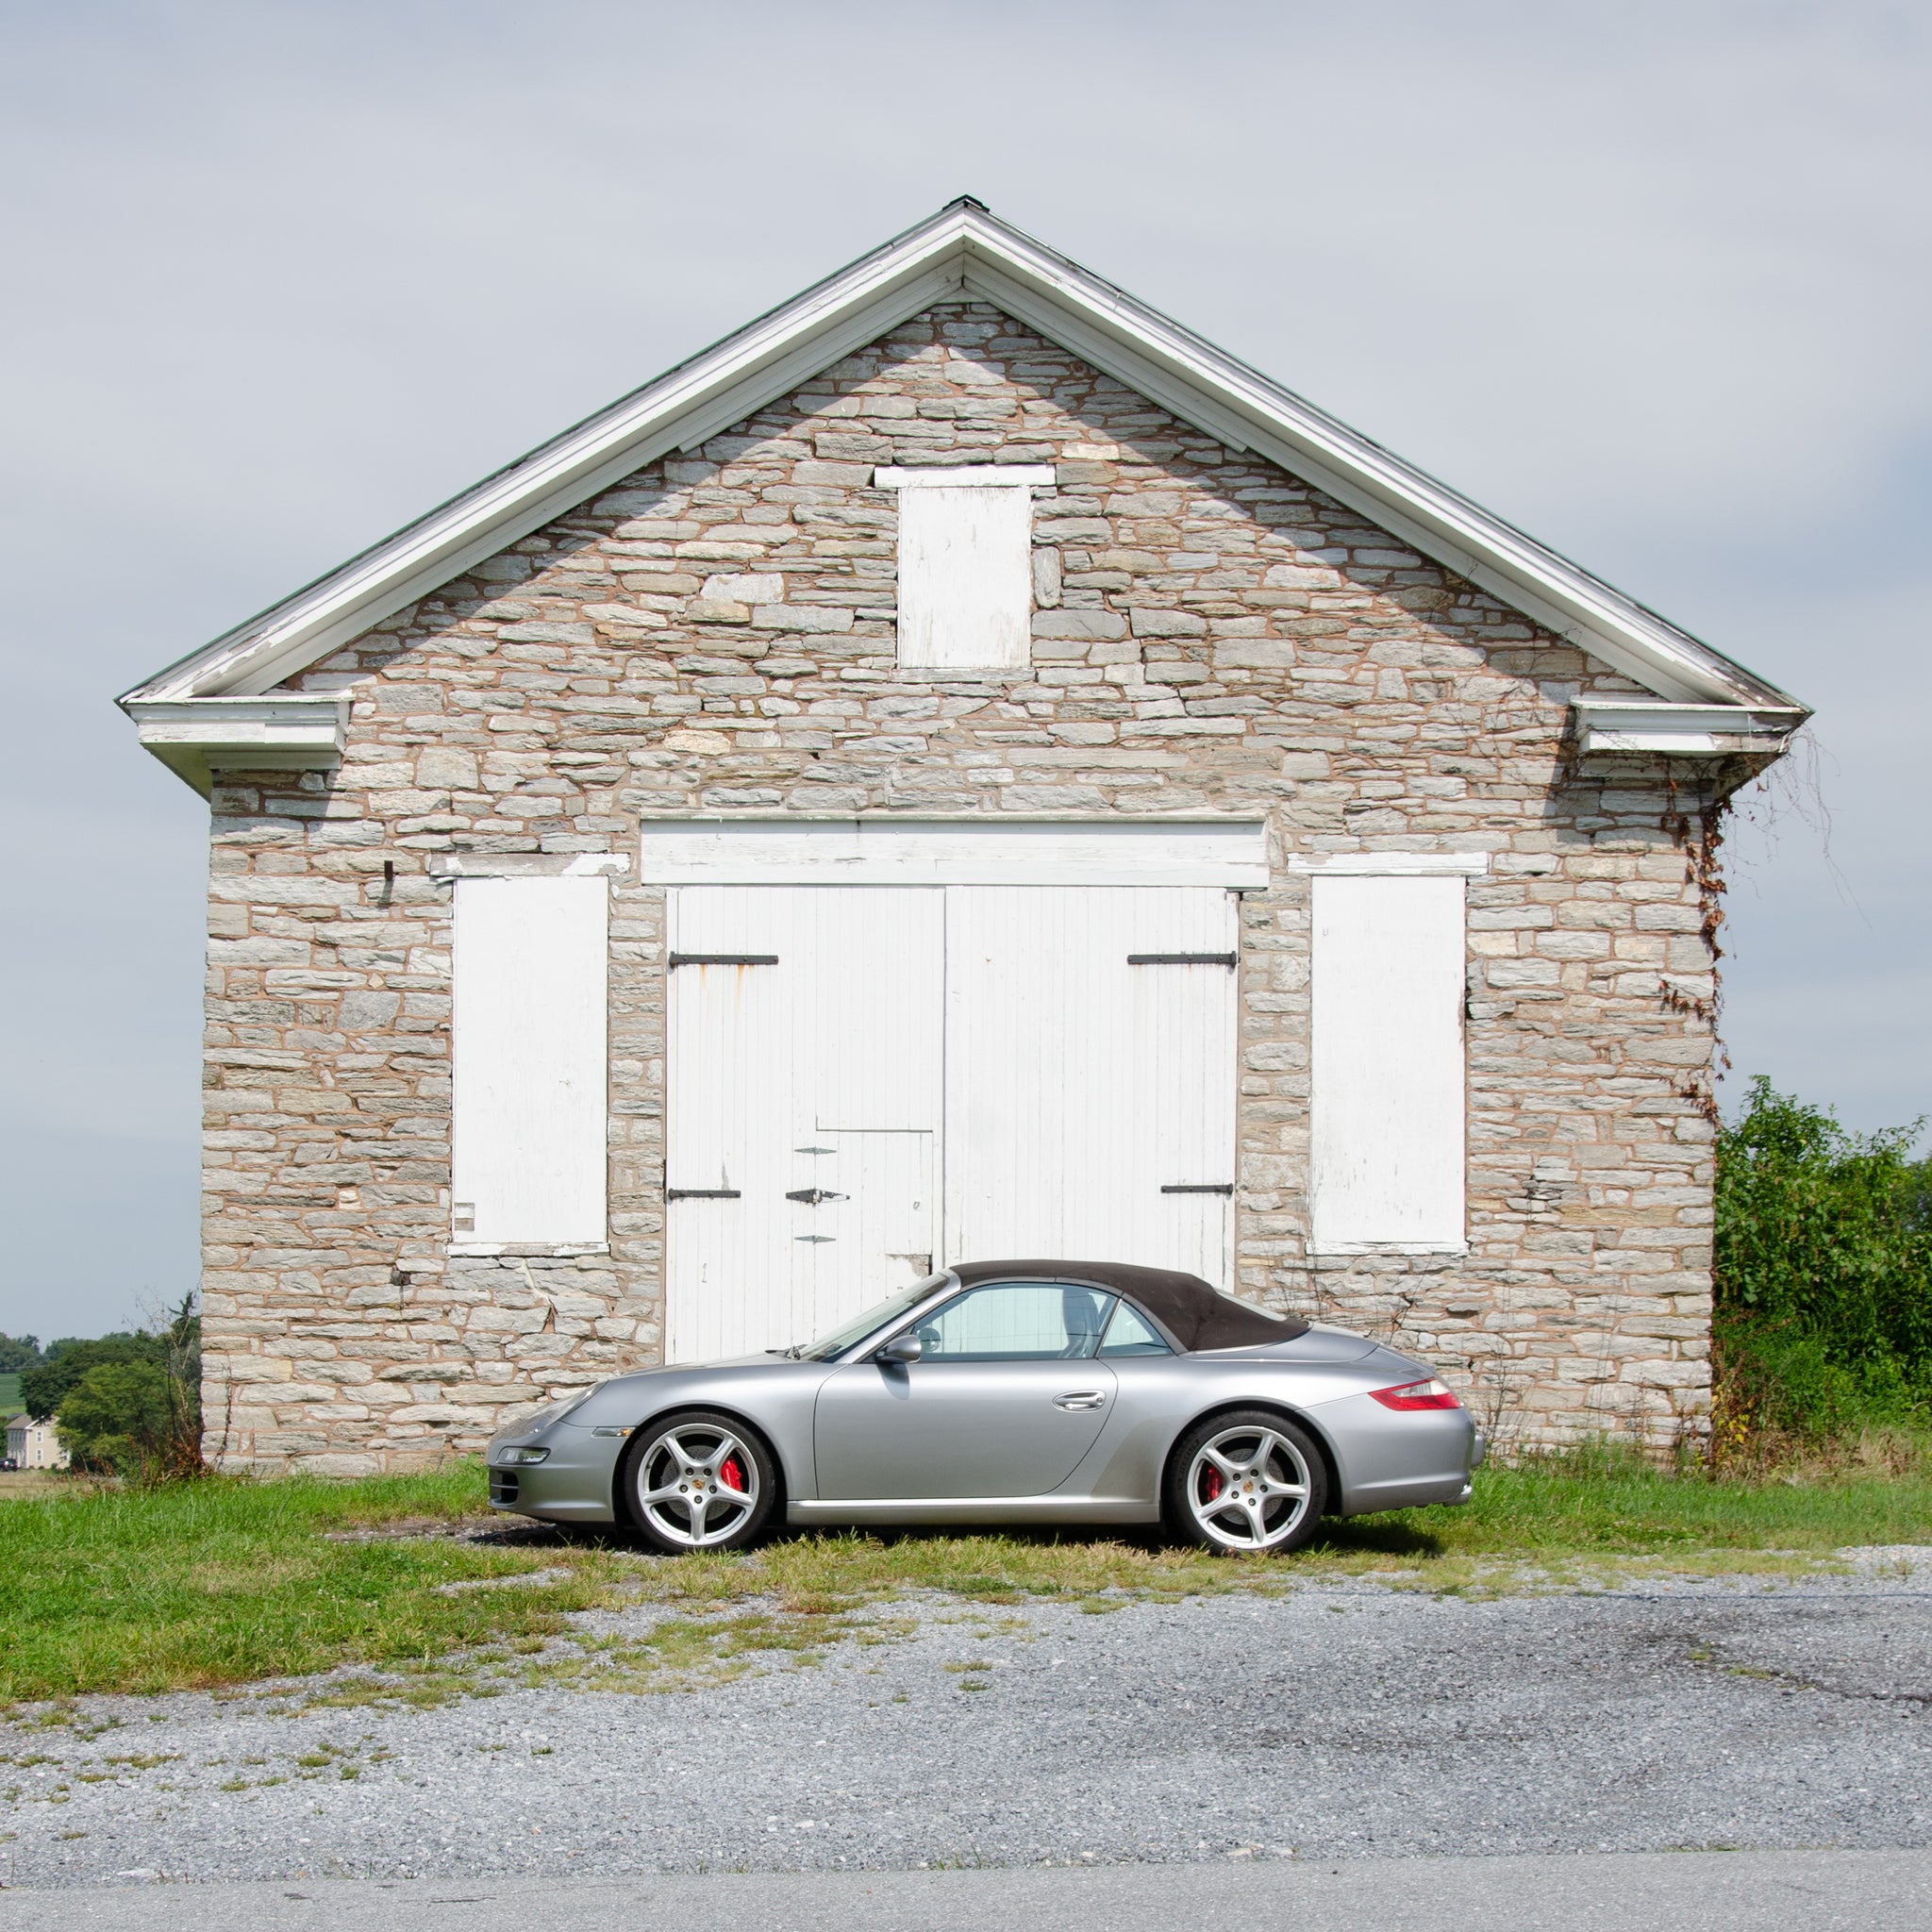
(34, 1445)
(962, 768)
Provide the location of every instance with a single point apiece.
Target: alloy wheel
(697, 1485)
(1247, 1487)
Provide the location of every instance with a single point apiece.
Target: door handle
(1080, 1398)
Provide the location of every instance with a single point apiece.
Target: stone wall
(717, 634)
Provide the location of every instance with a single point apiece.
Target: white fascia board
(198, 737)
(1245, 410)
(1230, 852)
(1682, 730)
(523, 499)
(966, 476)
(964, 250)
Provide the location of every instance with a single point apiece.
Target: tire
(1247, 1482)
(699, 1480)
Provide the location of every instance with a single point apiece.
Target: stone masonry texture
(716, 635)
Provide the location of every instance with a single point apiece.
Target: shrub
(1823, 1319)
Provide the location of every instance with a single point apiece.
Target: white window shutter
(1387, 1104)
(965, 577)
(529, 1060)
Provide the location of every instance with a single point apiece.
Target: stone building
(963, 767)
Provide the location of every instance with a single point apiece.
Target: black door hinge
(678, 959)
(1184, 959)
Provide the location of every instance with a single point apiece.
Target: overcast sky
(1651, 281)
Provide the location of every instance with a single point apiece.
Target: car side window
(1016, 1321)
(1130, 1333)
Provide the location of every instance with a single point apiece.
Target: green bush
(1823, 1321)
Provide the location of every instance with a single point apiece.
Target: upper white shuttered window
(966, 565)
(528, 1126)
(1387, 1087)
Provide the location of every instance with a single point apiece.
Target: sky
(1649, 280)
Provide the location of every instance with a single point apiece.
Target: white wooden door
(1090, 1043)
(803, 1109)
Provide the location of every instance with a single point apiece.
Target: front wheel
(701, 1481)
(1250, 1482)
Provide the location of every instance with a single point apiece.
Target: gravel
(1355, 1722)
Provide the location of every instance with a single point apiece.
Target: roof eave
(1695, 731)
(196, 738)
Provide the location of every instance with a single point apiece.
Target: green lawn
(230, 1581)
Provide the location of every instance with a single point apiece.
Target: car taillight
(1429, 1394)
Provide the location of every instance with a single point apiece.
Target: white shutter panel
(965, 577)
(529, 1060)
(1387, 1160)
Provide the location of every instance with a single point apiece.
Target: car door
(1005, 1400)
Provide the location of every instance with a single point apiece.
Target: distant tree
(137, 1415)
(18, 1352)
(44, 1386)
(115, 1419)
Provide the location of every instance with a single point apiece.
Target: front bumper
(574, 1482)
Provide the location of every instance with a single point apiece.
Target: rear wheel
(1249, 1482)
(701, 1481)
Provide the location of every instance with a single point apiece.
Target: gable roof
(964, 252)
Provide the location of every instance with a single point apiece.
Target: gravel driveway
(1332, 1721)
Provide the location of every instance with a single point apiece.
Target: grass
(224, 1581)
(229, 1581)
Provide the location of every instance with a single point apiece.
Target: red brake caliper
(1213, 1477)
(730, 1473)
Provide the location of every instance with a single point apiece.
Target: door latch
(812, 1196)
(1081, 1398)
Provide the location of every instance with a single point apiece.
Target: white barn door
(870, 1081)
(801, 1172)
(1090, 1065)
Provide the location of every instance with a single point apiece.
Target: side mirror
(901, 1349)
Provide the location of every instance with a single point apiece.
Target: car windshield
(842, 1337)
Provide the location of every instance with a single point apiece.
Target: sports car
(1009, 1392)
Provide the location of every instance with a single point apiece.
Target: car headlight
(519, 1454)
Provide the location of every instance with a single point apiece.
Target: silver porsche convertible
(1009, 1392)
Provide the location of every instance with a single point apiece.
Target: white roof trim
(963, 250)
(1632, 725)
(292, 731)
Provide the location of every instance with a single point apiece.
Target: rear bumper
(1399, 1459)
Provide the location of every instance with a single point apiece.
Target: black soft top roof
(1193, 1313)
